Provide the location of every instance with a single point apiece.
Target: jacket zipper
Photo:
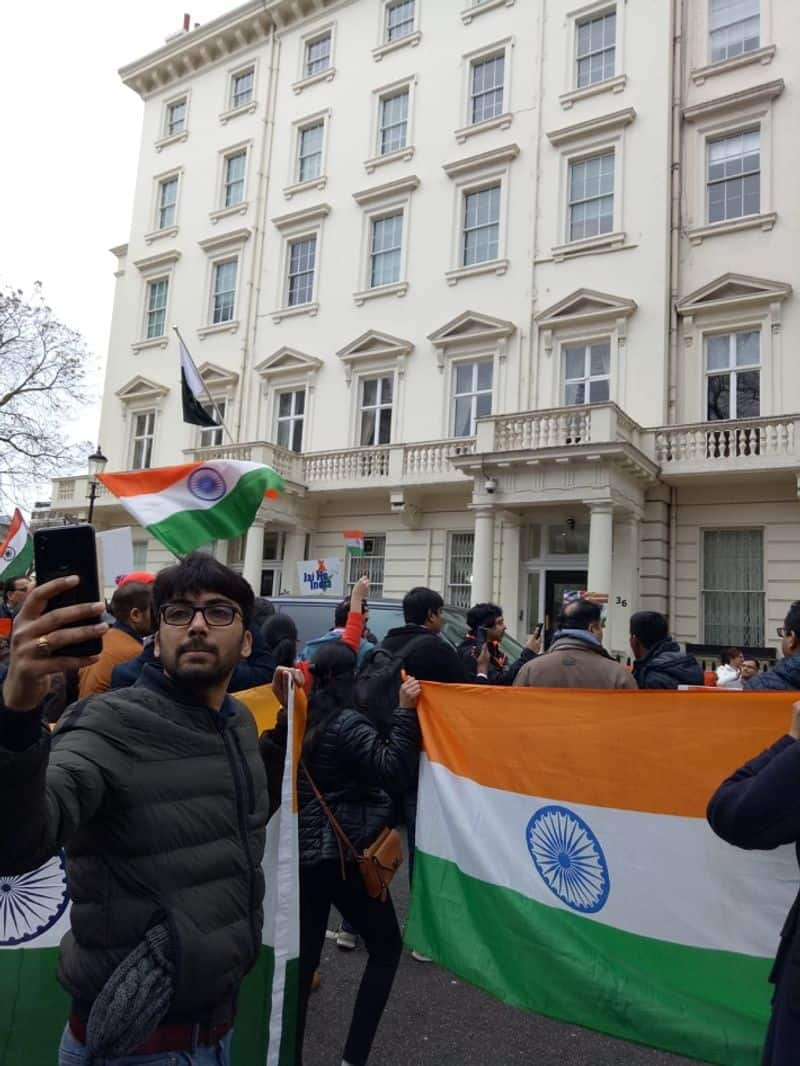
(242, 818)
(248, 777)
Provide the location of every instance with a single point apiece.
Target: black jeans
(320, 886)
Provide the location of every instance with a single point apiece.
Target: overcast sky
(70, 137)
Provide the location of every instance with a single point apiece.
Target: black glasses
(214, 614)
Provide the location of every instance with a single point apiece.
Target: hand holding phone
(64, 550)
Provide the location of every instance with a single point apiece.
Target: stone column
(601, 545)
(253, 556)
(294, 553)
(483, 555)
(510, 572)
(624, 600)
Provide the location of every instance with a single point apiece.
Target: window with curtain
(487, 77)
(242, 87)
(376, 410)
(393, 126)
(734, 176)
(733, 587)
(371, 563)
(309, 152)
(233, 192)
(386, 249)
(472, 395)
(223, 298)
(144, 430)
(290, 418)
(735, 28)
(302, 258)
(481, 225)
(586, 372)
(591, 196)
(167, 202)
(460, 549)
(399, 19)
(595, 49)
(156, 317)
(318, 54)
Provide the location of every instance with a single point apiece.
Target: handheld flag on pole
(16, 551)
(196, 398)
(354, 541)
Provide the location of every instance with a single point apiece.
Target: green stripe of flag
(709, 1005)
(231, 517)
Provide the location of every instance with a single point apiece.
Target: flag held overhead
(16, 551)
(354, 541)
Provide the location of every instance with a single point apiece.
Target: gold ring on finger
(43, 644)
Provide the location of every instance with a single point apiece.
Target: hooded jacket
(160, 805)
(783, 677)
(431, 659)
(575, 660)
(666, 666)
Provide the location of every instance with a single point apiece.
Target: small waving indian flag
(16, 551)
(190, 505)
(354, 541)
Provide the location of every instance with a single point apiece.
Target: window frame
(134, 438)
(222, 404)
(216, 263)
(729, 135)
(503, 119)
(579, 160)
(732, 371)
(701, 583)
(291, 243)
(293, 418)
(159, 232)
(383, 45)
(163, 183)
(304, 79)
(474, 361)
(233, 75)
(615, 84)
(582, 19)
(449, 584)
(293, 227)
(150, 283)
(388, 374)
(357, 564)
(293, 183)
(393, 198)
(710, 32)
(379, 95)
(229, 154)
(388, 6)
(586, 343)
(473, 175)
(164, 137)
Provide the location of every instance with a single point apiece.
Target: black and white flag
(194, 392)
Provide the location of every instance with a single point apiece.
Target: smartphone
(480, 636)
(59, 552)
(538, 631)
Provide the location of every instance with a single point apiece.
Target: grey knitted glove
(135, 997)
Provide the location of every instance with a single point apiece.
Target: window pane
(718, 352)
(487, 88)
(464, 377)
(368, 427)
(318, 55)
(370, 392)
(297, 435)
(385, 426)
(574, 363)
(387, 388)
(399, 19)
(393, 131)
(302, 256)
(459, 570)
(242, 88)
(310, 161)
(284, 404)
(719, 397)
(485, 375)
(595, 49)
(598, 391)
(734, 179)
(300, 402)
(463, 417)
(748, 394)
(747, 348)
(600, 358)
(574, 393)
(483, 405)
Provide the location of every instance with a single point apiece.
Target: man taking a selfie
(158, 795)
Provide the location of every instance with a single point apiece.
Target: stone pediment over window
(732, 292)
(471, 330)
(585, 305)
(373, 348)
(288, 361)
(142, 389)
(217, 377)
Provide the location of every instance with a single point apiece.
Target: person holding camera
(484, 661)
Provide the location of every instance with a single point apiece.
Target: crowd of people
(158, 787)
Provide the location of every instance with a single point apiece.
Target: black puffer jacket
(432, 658)
(161, 806)
(355, 769)
(666, 666)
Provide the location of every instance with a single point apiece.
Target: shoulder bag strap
(341, 837)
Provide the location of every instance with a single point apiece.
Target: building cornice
(215, 41)
(757, 94)
(590, 127)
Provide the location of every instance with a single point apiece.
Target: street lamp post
(97, 464)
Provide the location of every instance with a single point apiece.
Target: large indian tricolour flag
(34, 916)
(564, 862)
(193, 504)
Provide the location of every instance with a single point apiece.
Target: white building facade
(507, 285)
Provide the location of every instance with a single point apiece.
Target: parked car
(313, 615)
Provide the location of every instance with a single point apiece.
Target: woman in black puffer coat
(355, 769)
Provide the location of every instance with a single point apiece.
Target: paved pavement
(435, 1020)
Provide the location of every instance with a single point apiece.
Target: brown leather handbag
(378, 863)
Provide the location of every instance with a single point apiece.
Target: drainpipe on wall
(254, 285)
(673, 558)
(532, 371)
(676, 90)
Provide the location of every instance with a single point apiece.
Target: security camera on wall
(490, 485)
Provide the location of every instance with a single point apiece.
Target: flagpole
(211, 399)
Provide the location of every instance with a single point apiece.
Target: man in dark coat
(157, 794)
(486, 628)
(658, 659)
(785, 674)
(758, 808)
(428, 656)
